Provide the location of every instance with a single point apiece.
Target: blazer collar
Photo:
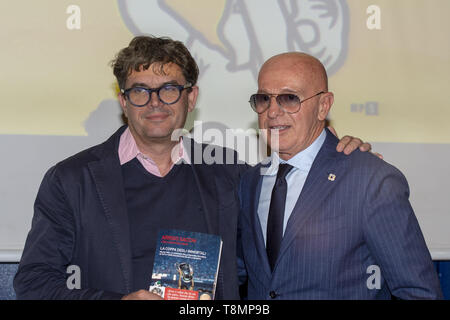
(255, 185)
(107, 176)
(205, 179)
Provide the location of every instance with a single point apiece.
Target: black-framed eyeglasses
(289, 102)
(167, 94)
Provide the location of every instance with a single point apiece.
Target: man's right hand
(141, 295)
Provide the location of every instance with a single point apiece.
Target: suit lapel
(205, 179)
(107, 175)
(255, 193)
(316, 189)
(207, 189)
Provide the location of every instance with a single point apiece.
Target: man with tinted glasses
(316, 224)
(101, 209)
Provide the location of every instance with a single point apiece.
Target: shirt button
(273, 294)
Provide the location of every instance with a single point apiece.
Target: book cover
(186, 265)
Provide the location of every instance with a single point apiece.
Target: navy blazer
(351, 227)
(80, 218)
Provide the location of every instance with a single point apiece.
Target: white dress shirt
(296, 178)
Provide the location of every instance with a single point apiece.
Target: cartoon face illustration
(247, 32)
(230, 39)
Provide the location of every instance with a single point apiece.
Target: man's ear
(325, 103)
(192, 98)
(123, 103)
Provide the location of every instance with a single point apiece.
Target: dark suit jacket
(80, 219)
(339, 233)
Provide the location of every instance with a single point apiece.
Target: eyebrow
(144, 85)
(283, 91)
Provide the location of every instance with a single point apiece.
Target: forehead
(287, 74)
(156, 74)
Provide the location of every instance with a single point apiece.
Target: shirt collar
(302, 160)
(128, 149)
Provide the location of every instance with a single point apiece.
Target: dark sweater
(153, 203)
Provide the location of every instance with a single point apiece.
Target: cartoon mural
(247, 32)
(390, 83)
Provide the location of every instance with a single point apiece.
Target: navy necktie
(276, 214)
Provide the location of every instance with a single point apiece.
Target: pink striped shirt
(128, 150)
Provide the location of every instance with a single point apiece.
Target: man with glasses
(315, 224)
(99, 212)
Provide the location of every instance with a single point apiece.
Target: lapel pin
(331, 177)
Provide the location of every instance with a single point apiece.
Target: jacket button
(273, 294)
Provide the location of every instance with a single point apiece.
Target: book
(186, 265)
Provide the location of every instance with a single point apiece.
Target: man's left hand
(348, 144)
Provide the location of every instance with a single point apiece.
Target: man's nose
(274, 109)
(154, 100)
